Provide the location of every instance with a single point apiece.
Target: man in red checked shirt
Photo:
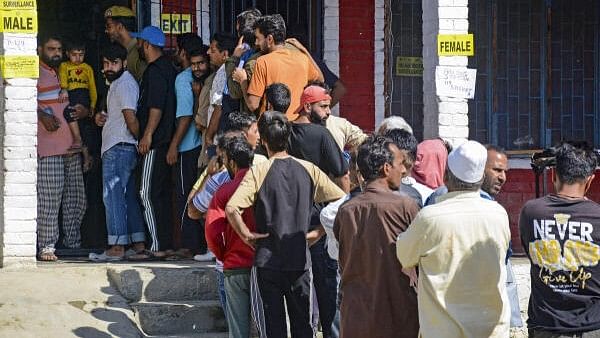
(224, 242)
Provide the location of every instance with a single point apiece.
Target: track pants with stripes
(269, 290)
(155, 194)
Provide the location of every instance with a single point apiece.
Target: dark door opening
(83, 20)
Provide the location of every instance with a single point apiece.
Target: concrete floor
(74, 299)
(63, 300)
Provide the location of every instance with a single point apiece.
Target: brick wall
(357, 45)
(520, 188)
(18, 139)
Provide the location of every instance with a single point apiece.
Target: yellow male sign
(456, 45)
(21, 21)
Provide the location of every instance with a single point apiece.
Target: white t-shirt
(122, 94)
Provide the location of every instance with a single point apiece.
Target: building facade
(537, 81)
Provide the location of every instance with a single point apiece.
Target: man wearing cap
(156, 113)
(312, 142)
(460, 246)
(120, 22)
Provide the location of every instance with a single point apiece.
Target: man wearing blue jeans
(119, 158)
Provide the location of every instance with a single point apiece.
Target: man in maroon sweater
(224, 242)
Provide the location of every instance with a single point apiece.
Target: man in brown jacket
(377, 300)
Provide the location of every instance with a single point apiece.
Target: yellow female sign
(456, 45)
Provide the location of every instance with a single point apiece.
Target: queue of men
(311, 221)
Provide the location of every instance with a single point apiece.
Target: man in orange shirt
(277, 64)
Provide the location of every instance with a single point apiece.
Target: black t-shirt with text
(562, 239)
(157, 90)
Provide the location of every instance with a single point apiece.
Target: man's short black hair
(404, 141)
(575, 162)
(225, 42)
(496, 148)
(246, 20)
(279, 96)
(128, 22)
(189, 42)
(240, 120)
(318, 84)
(373, 153)
(75, 45)
(114, 51)
(274, 129)
(201, 50)
(44, 38)
(273, 25)
(239, 151)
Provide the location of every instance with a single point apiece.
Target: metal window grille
(538, 72)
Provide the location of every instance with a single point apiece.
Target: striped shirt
(56, 142)
(202, 200)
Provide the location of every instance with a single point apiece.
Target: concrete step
(165, 282)
(180, 318)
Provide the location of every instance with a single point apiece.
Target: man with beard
(185, 146)
(156, 113)
(345, 134)
(60, 178)
(311, 141)
(377, 300)
(120, 22)
(120, 132)
(277, 64)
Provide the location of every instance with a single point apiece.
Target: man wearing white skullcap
(459, 245)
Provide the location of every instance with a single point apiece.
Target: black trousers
(155, 194)
(192, 234)
(296, 288)
(325, 281)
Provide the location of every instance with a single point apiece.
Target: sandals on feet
(47, 255)
(145, 255)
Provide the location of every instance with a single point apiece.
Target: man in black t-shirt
(311, 141)
(281, 191)
(561, 236)
(156, 113)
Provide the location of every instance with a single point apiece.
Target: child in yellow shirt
(78, 86)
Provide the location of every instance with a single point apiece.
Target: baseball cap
(118, 11)
(151, 34)
(312, 94)
(467, 161)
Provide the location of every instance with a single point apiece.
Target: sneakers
(207, 257)
(103, 257)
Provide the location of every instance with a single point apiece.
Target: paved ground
(69, 299)
(62, 300)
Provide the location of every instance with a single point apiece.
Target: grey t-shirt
(122, 94)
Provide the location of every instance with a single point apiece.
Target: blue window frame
(538, 72)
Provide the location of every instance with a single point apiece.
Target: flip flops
(145, 255)
(103, 257)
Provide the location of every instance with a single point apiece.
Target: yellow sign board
(456, 45)
(21, 21)
(13, 66)
(409, 66)
(175, 23)
(11, 5)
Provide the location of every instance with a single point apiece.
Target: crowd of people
(308, 217)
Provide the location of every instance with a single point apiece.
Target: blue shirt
(185, 107)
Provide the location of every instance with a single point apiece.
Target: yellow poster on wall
(409, 66)
(456, 45)
(18, 66)
(11, 5)
(25, 21)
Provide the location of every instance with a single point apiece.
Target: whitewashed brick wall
(443, 116)
(379, 58)
(18, 130)
(331, 39)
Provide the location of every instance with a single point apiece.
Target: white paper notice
(455, 82)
